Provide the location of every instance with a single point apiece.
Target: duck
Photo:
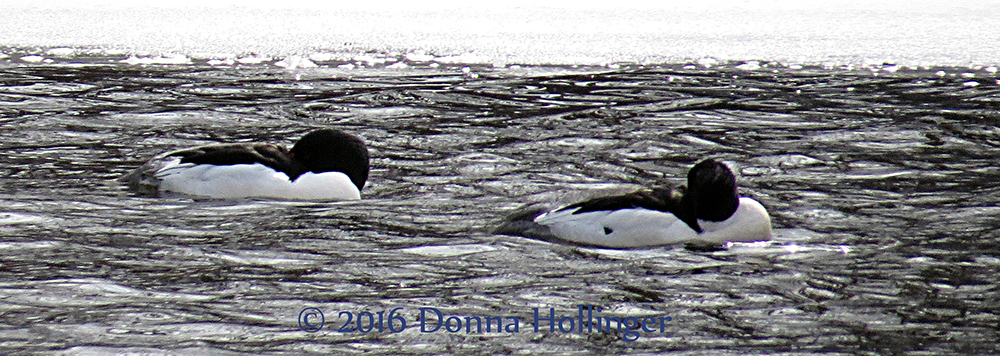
(708, 212)
(325, 164)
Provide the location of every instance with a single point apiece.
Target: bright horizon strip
(923, 33)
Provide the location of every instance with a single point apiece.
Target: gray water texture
(883, 188)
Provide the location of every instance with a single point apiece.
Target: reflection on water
(882, 189)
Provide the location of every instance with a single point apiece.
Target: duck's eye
(608, 230)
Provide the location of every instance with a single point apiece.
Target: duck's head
(711, 191)
(329, 150)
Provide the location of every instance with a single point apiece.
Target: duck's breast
(750, 222)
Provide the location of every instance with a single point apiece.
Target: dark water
(883, 191)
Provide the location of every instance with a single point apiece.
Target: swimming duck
(325, 164)
(707, 212)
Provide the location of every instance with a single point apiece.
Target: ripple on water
(447, 250)
(10, 218)
(87, 292)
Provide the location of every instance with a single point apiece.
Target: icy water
(882, 183)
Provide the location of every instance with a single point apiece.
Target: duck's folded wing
(666, 200)
(662, 200)
(273, 156)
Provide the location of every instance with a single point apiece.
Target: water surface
(882, 186)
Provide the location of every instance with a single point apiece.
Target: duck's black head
(330, 150)
(711, 191)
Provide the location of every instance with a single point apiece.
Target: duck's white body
(637, 227)
(252, 180)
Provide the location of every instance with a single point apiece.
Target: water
(882, 185)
